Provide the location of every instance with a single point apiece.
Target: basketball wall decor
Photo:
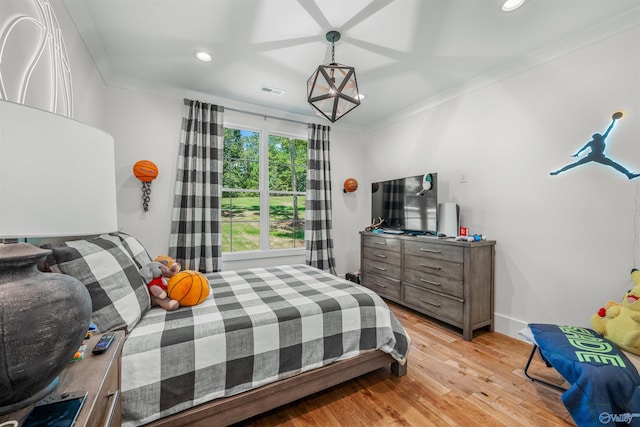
(350, 185)
(188, 287)
(146, 171)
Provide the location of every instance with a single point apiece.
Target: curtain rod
(266, 116)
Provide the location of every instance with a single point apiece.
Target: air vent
(272, 90)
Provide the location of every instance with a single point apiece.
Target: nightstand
(97, 374)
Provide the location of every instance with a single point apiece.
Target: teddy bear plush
(155, 275)
(170, 263)
(620, 322)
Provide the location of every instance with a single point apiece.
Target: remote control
(104, 343)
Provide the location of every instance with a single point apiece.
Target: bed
(263, 337)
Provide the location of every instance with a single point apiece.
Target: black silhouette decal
(596, 152)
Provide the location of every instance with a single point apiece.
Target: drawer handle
(380, 268)
(430, 266)
(381, 256)
(378, 284)
(430, 303)
(432, 251)
(431, 283)
(114, 398)
(381, 243)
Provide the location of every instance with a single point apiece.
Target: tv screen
(405, 205)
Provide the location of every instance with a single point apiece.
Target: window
(264, 189)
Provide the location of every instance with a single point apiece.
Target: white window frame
(263, 189)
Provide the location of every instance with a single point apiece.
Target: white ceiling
(407, 54)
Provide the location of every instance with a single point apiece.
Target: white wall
(148, 127)
(565, 244)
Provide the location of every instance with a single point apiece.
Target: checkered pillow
(118, 293)
(131, 245)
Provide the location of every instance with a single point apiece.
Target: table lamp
(57, 179)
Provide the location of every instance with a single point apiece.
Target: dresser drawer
(385, 269)
(387, 243)
(380, 254)
(382, 285)
(451, 270)
(436, 304)
(434, 282)
(441, 251)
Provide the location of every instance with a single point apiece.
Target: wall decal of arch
(34, 65)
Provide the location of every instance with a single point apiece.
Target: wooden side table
(99, 375)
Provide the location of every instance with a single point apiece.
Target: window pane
(287, 164)
(301, 178)
(241, 174)
(240, 221)
(241, 159)
(241, 144)
(279, 149)
(280, 178)
(280, 163)
(301, 151)
(286, 221)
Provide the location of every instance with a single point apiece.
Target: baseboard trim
(509, 326)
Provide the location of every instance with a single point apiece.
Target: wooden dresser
(452, 281)
(99, 375)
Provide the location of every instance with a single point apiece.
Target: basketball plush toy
(146, 171)
(188, 288)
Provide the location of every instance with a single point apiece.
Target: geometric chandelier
(332, 89)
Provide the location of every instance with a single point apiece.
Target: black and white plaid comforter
(257, 326)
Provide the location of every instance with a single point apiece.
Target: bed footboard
(230, 410)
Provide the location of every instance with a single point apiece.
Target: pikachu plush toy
(620, 322)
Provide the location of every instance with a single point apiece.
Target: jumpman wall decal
(596, 152)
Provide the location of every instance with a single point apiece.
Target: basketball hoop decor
(146, 171)
(350, 185)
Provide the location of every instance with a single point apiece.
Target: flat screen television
(405, 206)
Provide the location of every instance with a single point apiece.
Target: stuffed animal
(155, 275)
(189, 287)
(170, 263)
(620, 322)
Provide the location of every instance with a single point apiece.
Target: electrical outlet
(463, 177)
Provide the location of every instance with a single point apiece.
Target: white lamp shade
(57, 175)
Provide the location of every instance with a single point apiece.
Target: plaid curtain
(196, 240)
(317, 237)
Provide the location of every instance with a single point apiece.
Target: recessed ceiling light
(203, 56)
(510, 5)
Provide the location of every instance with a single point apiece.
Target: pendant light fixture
(332, 90)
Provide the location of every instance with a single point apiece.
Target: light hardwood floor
(450, 382)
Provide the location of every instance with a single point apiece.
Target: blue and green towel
(605, 386)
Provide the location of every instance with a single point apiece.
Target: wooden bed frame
(230, 410)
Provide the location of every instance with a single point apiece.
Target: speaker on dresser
(449, 219)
